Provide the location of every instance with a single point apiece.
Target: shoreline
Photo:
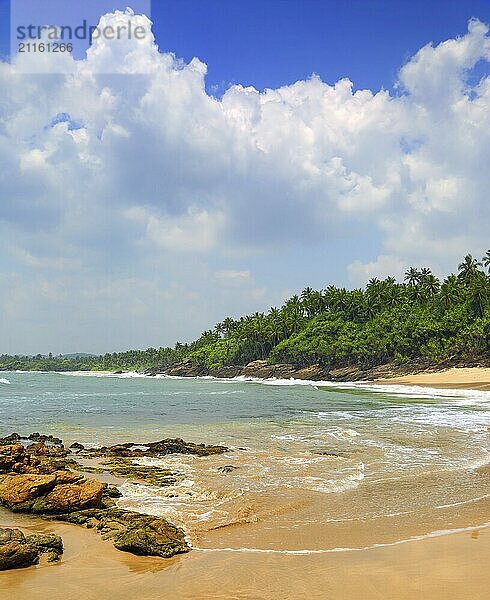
(301, 539)
(467, 378)
(455, 377)
(447, 564)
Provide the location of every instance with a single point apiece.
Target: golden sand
(477, 378)
(437, 568)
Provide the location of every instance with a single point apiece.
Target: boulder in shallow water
(179, 446)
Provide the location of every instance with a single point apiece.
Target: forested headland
(422, 317)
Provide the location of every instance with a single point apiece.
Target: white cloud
(156, 168)
(384, 266)
(232, 276)
(196, 231)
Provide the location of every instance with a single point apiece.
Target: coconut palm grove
(387, 321)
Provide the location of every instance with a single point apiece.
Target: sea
(311, 467)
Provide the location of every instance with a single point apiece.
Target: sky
(239, 153)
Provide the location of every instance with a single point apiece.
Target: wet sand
(476, 378)
(447, 566)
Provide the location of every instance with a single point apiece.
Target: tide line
(432, 534)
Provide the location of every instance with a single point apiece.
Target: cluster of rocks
(20, 550)
(262, 369)
(133, 532)
(160, 448)
(39, 476)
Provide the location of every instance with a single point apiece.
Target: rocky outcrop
(144, 535)
(15, 438)
(160, 448)
(59, 492)
(35, 477)
(18, 550)
(262, 369)
(30, 482)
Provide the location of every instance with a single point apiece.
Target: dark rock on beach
(227, 469)
(160, 448)
(263, 369)
(38, 476)
(18, 550)
(144, 535)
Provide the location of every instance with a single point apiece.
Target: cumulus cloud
(384, 266)
(144, 167)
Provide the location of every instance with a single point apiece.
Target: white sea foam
(466, 397)
(4, 381)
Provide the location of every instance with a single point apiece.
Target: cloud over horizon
(137, 209)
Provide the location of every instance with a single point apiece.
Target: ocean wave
(466, 397)
(4, 381)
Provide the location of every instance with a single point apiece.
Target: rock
(178, 446)
(55, 493)
(35, 458)
(258, 368)
(144, 535)
(227, 469)
(35, 478)
(18, 550)
(328, 453)
(63, 498)
(14, 551)
(37, 448)
(13, 438)
(48, 543)
(112, 492)
(18, 492)
(45, 439)
(149, 474)
(77, 446)
(119, 450)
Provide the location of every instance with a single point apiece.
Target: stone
(144, 535)
(18, 550)
(14, 551)
(55, 493)
(227, 469)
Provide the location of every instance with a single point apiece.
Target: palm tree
(431, 284)
(480, 292)
(450, 291)
(486, 260)
(468, 268)
(412, 276)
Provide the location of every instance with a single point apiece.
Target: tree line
(421, 317)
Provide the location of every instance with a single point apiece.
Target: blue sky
(277, 42)
(147, 197)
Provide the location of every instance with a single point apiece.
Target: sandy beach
(476, 378)
(354, 497)
(441, 567)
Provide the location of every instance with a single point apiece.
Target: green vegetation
(422, 317)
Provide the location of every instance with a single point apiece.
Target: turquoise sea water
(341, 447)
